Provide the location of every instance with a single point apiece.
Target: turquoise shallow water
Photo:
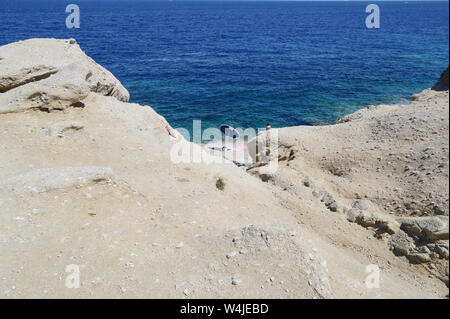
(249, 63)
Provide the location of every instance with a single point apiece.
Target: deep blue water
(249, 63)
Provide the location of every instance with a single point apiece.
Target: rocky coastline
(87, 179)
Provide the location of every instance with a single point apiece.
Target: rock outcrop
(384, 167)
(442, 84)
(54, 75)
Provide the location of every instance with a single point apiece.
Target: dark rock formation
(442, 84)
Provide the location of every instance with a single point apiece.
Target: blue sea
(249, 63)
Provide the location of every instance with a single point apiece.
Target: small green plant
(220, 184)
(91, 214)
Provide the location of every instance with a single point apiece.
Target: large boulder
(372, 219)
(401, 243)
(431, 228)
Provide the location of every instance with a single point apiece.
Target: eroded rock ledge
(51, 74)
